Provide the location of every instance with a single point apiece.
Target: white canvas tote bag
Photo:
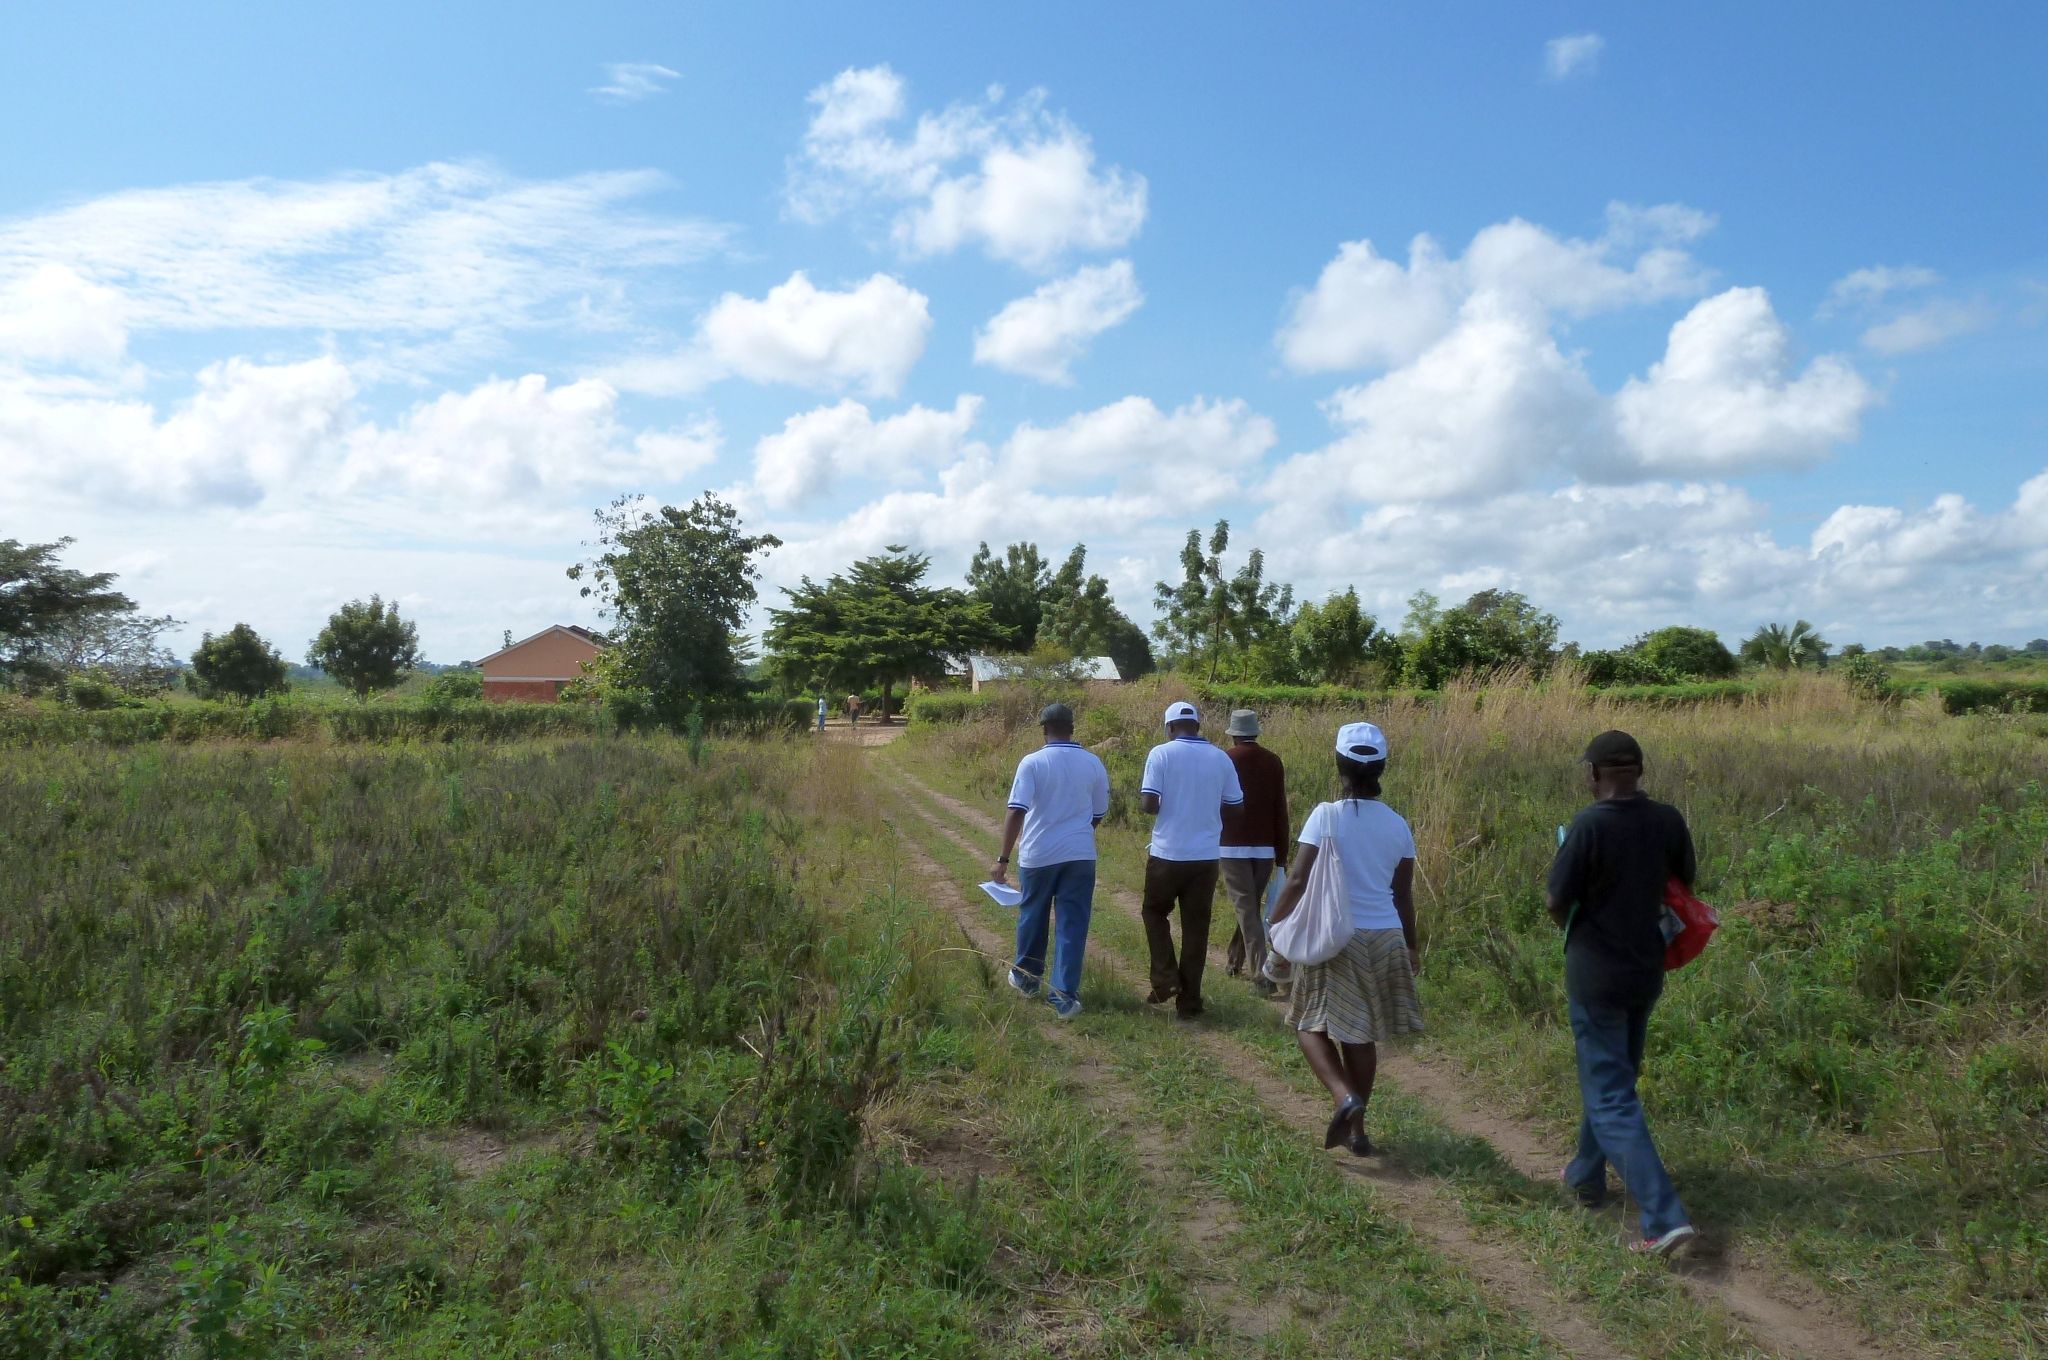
(1320, 925)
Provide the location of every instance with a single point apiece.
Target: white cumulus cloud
(816, 450)
(1012, 177)
(508, 438)
(1576, 54)
(53, 314)
(1724, 399)
(867, 337)
(1936, 323)
(1198, 454)
(1366, 310)
(1041, 336)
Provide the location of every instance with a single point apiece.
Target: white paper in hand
(1002, 894)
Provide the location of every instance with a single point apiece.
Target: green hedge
(946, 706)
(1991, 696)
(270, 719)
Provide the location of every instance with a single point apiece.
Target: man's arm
(1149, 787)
(1567, 878)
(1013, 827)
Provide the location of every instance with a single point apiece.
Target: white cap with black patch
(1362, 741)
(1182, 712)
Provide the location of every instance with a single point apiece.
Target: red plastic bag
(1697, 922)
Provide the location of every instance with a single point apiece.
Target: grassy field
(596, 1046)
(1853, 1082)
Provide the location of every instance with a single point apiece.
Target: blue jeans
(1069, 887)
(1609, 1037)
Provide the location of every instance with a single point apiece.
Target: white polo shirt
(1062, 789)
(1194, 780)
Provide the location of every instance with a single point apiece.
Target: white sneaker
(1066, 1007)
(1670, 1244)
(1021, 986)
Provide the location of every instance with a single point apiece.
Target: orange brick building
(536, 671)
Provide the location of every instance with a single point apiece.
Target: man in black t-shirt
(1606, 891)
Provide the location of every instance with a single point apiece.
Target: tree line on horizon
(676, 585)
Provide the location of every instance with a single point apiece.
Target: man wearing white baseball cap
(1187, 784)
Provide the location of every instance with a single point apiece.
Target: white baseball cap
(1182, 712)
(1362, 741)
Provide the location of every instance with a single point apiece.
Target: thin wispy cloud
(1576, 55)
(629, 82)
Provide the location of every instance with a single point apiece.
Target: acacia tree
(366, 646)
(45, 608)
(238, 664)
(1782, 649)
(676, 585)
(876, 624)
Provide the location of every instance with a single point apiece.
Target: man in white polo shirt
(1188, 782)
(1060, 793)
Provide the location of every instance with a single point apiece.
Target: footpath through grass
(1853, 1083)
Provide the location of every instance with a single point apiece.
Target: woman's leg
(1327, 1062)
(1361, 1065)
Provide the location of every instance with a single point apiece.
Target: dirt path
(1205, 1221)
(1781, 1312)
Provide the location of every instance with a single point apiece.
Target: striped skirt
(1364, 995)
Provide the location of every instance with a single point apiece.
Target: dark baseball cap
(1613, 749)
(1056, 715)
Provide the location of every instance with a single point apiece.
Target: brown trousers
(1245, 881)
(1189, 885)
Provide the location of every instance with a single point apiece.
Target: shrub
(1602, 669)
(453, 687)
(1867, 676)
(947, 706)
(1982, 696)
(91, 693)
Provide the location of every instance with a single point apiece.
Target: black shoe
(1340, 1122)
(1161, 995)
(1361, 1146)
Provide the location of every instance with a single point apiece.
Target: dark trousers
(1190, 885)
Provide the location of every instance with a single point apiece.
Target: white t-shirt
(1372, 840)
(1062, 788)
(1194, 781)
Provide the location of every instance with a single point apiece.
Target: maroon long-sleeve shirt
(1261, 819)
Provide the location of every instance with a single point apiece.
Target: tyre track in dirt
(1782, 1313)
(1497, 1271)
(1207, 1221)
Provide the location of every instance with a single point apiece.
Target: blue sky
(1724, 315)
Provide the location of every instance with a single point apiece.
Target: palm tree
(1782, 648)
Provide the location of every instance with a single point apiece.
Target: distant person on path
(853, 710)
(1255, 836)
(1606, 892)
(821, 712)
(1343, 1007)
(1058, 797)
(1188, 782)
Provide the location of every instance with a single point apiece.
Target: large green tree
(366, 646)
(1493, 630)
(1208, 620)
(676, 584)
(1081, 619)
(1694, 653)
(1015, 587)
(46, 607)
(1782, 648)
(1334, 641)
(236, 664)
(877, 624)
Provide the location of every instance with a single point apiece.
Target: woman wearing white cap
(1343, 1007)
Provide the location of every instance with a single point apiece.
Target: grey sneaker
(1673, 1243)
(1066, 1007)
(1022, 985)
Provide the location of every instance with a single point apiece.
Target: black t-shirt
(1612, 866)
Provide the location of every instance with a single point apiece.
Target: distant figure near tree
(1255, 835)
(853, 709)
(1188, 783)
(1606, 891)
(821, 712)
